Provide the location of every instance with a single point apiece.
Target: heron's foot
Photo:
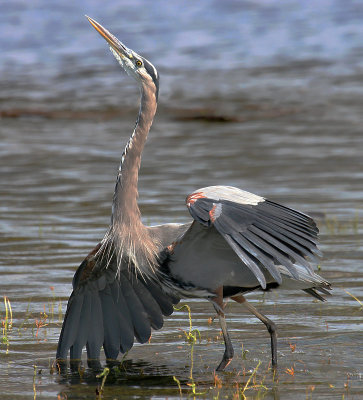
(227, 356)
(225, 362)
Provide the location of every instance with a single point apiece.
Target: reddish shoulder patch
(212, 213)
(192, 198)
(215, 212)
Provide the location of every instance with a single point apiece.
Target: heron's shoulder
(86, 271)
(224, 193)
(166, 234)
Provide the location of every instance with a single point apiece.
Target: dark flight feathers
(262, 234)
(111, 313)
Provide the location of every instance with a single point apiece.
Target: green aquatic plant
(252, 378)
(102, 375)
(179, 386)
(244, 353)
(34, 381)
(51, 303)
(355, 298)
(28, 314)
(191, 337)
(41, 322)
(7, 323)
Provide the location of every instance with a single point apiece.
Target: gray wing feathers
(69, 331)
(124, 318)
(312, 292)
(111, 325)
(293, 241)
(83, 327)
(110, 313)
(200, 215)
(120, 301)
(96, 333)
(139, 316)
(262, 233)
(165, 302)
(277, 255)
(259, 254)
(150, 305)
(281, 246)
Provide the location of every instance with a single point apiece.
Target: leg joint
(271, 327)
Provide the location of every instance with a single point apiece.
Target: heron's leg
(223, 306)
(228, 353)
(270, 325)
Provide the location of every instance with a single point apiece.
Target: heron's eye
(138, 63)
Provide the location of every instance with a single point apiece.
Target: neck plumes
(129, 237)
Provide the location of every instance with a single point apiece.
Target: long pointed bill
(120, 48)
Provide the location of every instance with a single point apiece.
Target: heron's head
(136, 66)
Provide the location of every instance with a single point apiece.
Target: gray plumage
(139, 317)
(236, 243)
(85, 321)
(150, 305)
(111, 325)
(95, 338)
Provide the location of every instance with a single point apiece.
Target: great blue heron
(236, 243)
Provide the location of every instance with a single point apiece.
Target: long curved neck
(125, 210)
(127, 238)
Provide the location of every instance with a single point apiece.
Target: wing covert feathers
(111, 312)
(263, 234)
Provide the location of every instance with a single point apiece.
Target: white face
(125, 62)
(135, 65)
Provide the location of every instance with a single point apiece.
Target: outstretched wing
(110, 308)
(261, 232)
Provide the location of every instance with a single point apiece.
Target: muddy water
(282, 118)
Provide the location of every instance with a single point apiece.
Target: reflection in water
(271, 105)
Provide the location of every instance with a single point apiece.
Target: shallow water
(271, 105)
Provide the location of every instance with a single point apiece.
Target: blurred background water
(264, 95)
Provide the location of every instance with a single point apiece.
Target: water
(265, 96)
